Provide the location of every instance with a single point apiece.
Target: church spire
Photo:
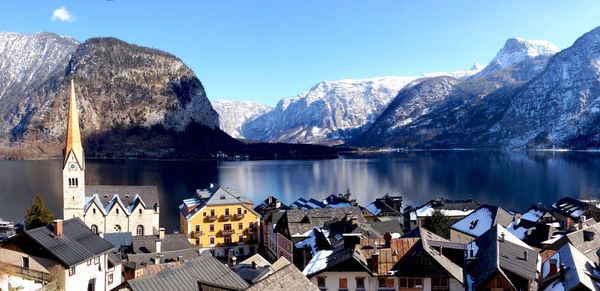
(73, 135)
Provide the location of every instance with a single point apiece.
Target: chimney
(502, 236)
(562, 272)
(101, 234)
(277, 203)
(539, 205)
(179, 258)
(253, 265)
(211, 185)
(388, 239)
(58, 227)
(270, 199)
(471, 252)
(375, 263)
(354, 220)
(516, 220)
(161, 233)
(553, 268)
(525, 255)
(158, 246)
(230, 258)
(581, 221)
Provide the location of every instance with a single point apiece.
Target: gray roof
(246, 270)
(579, 270)
(301, 221)
(170, 242)
(167, 256)
(288, 278)
(186, 276)
(213, 196)
(127, 194)
(391, 226)
(504, 255)
(119, 239)
(586, 241)
(77, 244)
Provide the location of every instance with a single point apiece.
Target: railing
(32, 274)
(227, 231)
(211, 218)
(197, 233)
(238, 216)
(226, 216)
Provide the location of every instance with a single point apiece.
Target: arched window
(69, 181)
(117, 210)
(94, 210)
(139, 230)
(94, 228)
(117, 228)
(76, 182)
(140, 210)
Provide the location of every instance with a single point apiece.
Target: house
(287, 278)
(219, 219)
(498, 259)
(304, 204)
(296, 225)
(569, 269)
(534, 234)
(407, 263)
(339, 200)
(568, 210)
(537, 213)
(202, 273)
(478, 222)
(68, 252)
(256, 268)
(387, 208)
(586, 240)
(455, 210)
(270, 236)
(269, 206)
(104, 208)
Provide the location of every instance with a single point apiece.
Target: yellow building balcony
(227, 232)
(197, 233)
(211, 218)
(226, 217)
(238, 216)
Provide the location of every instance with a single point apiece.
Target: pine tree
(38, 215)
(438, 223)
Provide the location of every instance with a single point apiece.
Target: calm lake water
(514, 180)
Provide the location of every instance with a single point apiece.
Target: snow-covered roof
(578, 269)
(481, 220)
(317, 263)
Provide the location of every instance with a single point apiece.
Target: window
(197, 241)
(140, 211)
(76, 182)
(212, 240)
(204, 213)
(197, 227)
(212, 212)
(239, 210)
(89, 262)
(117, 228)
(386, 283)
(321, 282)
(211, 228)
(227, 239)
(72, 271)
(117, 211)
(241, 238)
(94, 228)
(25, 263)
(227, 226)
(251, 224)
(458, 238)
(343, 284)
(139, 230)
(241, 225)
(226, 211)
(110, 279)
(96, 260)
(360, 283)
(245, 211)
(440, 284)
(411, 283)
(94, 210)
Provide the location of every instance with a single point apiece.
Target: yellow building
(219, 219)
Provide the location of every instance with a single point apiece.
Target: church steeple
(73, 144)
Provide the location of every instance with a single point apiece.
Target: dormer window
(473, 224)
(222, 197)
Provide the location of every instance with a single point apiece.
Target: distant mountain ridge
(233, 114)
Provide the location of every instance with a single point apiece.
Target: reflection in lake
(513, 180)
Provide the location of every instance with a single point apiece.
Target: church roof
(127, 196)
(73, 135)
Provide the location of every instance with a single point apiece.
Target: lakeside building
(478, 222)
(218, 219)
(270, 209)
(386, 208)
(66, 251)
(104, 208)
(455, 210)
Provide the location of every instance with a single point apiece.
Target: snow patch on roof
(317, 263)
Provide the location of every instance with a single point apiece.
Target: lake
(513, 180)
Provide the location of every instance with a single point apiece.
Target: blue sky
(267, 50)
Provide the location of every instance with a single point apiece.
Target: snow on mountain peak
(476, 67)
(518, 49)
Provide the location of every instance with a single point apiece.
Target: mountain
(233, 114)
(133, 101)
(558, 107)
(447, 112)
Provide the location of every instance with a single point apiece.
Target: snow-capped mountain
(516, 50)
(559, 106)
(233, 114)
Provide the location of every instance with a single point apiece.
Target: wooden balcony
(227, 232)
(238, 216)
(211, 218)
(226, 217)
(197, 233)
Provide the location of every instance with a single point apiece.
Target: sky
(267, 50)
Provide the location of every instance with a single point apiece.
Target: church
(103, 208)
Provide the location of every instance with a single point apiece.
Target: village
(110, 238)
